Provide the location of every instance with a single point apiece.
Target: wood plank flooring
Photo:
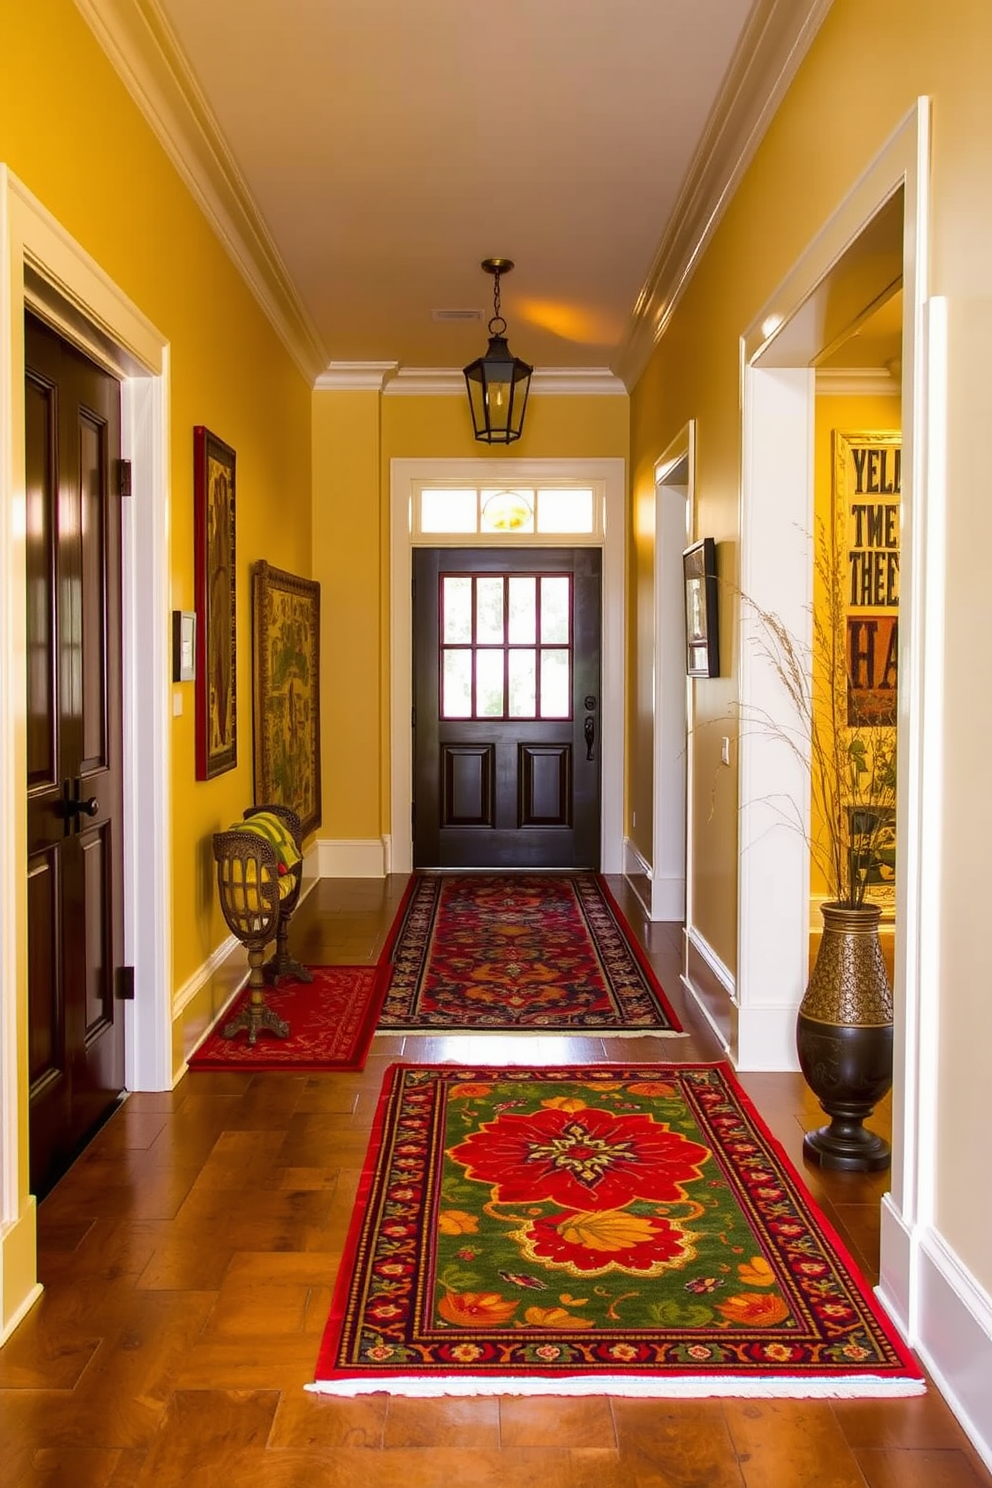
(188, 1258)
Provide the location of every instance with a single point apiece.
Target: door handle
(73, 807)
(589, 730)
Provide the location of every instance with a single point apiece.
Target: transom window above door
(546, 514)
(506, 645)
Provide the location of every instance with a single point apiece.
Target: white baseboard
(20, 1313)
(714, 993)
(766, 1038)
(668, 899)
(184, 995)
(954, 1337)
(311, 867)
(666, 896)
(895, 1286)
(355, 859)
(635, 864)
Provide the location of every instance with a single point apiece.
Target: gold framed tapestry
(286, 685)
(216, 604)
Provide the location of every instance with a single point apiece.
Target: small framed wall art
(184, 645)
(214, 596)
(702, 632)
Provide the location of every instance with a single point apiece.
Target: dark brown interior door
(506, 707)
(74, 779)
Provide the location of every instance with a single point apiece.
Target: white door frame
(671, 752)
(43, 268)
(778, 396)
(399, 853)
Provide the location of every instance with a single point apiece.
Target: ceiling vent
(456, 315)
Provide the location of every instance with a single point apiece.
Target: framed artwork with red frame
(215, 603)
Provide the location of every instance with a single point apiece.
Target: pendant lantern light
(498, 383)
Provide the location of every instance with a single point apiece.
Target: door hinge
(124, 478)
(124, 989)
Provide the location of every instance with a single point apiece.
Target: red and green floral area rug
(519, 952)
(612, 1229)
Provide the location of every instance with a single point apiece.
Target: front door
(74, 748)
(506, 707)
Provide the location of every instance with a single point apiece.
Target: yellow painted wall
(349, 537)
(867, 66)
(70, 132)
(355, 437)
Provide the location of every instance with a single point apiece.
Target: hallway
(188, 1259)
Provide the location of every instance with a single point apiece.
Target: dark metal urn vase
(844, 1038)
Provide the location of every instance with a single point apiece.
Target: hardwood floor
(188, 1258)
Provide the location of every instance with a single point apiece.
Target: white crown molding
(856, 382)
(145, 53)
(450, 382)
(775, 41)
(355, 376)
(571, 381)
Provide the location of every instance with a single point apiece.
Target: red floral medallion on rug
(622, 1229)
(510, 952)
(331, 1023)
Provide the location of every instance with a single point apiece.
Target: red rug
(619, 1229)
(520, 952)
(331, 1023)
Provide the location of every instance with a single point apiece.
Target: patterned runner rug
(617, 1229)
(518, 952)
(331, 1023)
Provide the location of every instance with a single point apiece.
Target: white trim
(856, 382)
(576, 381)
(635, 865)
(76, 291)
(954, 1338)
(426, 382)
(33, 240)
(402, 475)
(671, 742)
(898, 1261)
(351, 859)
(773, 780)
(436, 382)
(722, 975)
(148, 730)
(184, 995)
(146, 55)
(775, 41)
(721, 971)
(355, 377)
(19, 1313)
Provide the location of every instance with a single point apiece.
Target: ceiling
(363, 156)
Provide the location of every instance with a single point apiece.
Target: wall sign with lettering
(867, 469)
(867, 487)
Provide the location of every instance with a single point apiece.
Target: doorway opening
(54, 278)
(606, 532)
(874, 244)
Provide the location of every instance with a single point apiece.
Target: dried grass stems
(851, 763)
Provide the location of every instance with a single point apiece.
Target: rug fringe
(857, 1387)
(548, 1031)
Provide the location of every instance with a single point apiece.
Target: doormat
(520, 952)
(331, 1023)
(622, 1229)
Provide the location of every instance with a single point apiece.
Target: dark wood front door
(506, 707)
(74, 774)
